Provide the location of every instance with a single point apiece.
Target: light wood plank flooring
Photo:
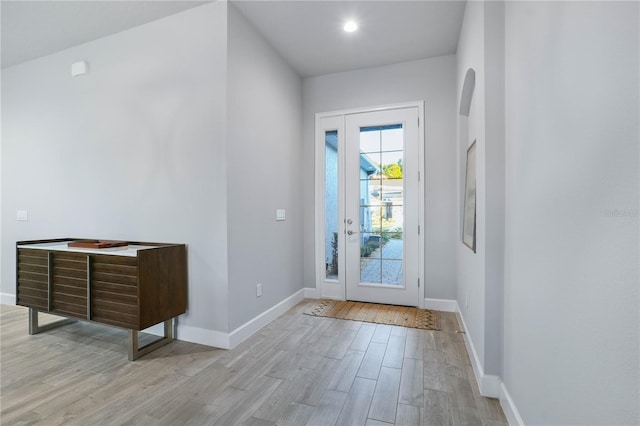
(299, 370)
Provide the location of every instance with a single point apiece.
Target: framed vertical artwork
(469, 221)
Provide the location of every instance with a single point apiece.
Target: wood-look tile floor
(299, 370)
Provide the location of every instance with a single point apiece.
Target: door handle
(350, 232)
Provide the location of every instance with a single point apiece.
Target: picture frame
(469, 212)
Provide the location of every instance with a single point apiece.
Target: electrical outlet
(258, 290)
(22, 215)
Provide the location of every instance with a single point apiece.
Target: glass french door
(371, 206)
(381, 209)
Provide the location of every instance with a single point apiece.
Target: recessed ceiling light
(350, 26)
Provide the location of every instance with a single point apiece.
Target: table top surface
(131, 250)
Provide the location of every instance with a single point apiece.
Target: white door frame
(332, 289)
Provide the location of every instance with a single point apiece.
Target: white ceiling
(308, 34)
(31, 29)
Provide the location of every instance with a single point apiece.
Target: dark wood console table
(131, 287)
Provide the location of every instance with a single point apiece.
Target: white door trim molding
(336, 290)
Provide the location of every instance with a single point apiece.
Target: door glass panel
(370, 272)
(392, 139)
(391, 164)
(393, 248)
(370, 246)
(369, 163)
(392, 192)
(369, 217)
(369, 140)
(331, 205)
(381, 205)
(391, 271)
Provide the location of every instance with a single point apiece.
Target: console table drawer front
(114, 304)
(32, 296)
(114, 260)
(32, 279)
(33, 266)
(100, 305)
(31, 256)
(100, 266)
(70, 266)
(111, 317)
(106, 287)
(69, 284)
(41, 270)
(123, 280)
(69, 310)
(98, 292)
(32, 288)
(114, 291)
(67, 297)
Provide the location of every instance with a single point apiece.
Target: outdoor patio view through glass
(381, 205)
(331, 204)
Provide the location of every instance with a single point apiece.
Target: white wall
(431, 80)
(263, 157)
(4, 297)
(494, 185)
(572, 233)
(471, 266)
(133, 150)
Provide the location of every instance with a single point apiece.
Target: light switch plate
(22, 215)
(281, 214)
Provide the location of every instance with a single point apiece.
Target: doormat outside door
(404, 316)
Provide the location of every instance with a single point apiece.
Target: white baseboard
(7, 299)
(220, 339)
(203, 336)
(489, 384)
(509, 407)
(444, 305)
(311, 293)
(246, 330)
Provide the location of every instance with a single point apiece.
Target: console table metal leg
(135, 352)
(34, 328)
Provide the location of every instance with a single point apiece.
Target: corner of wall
(311, 293)
(509, 407)
(488, 384)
